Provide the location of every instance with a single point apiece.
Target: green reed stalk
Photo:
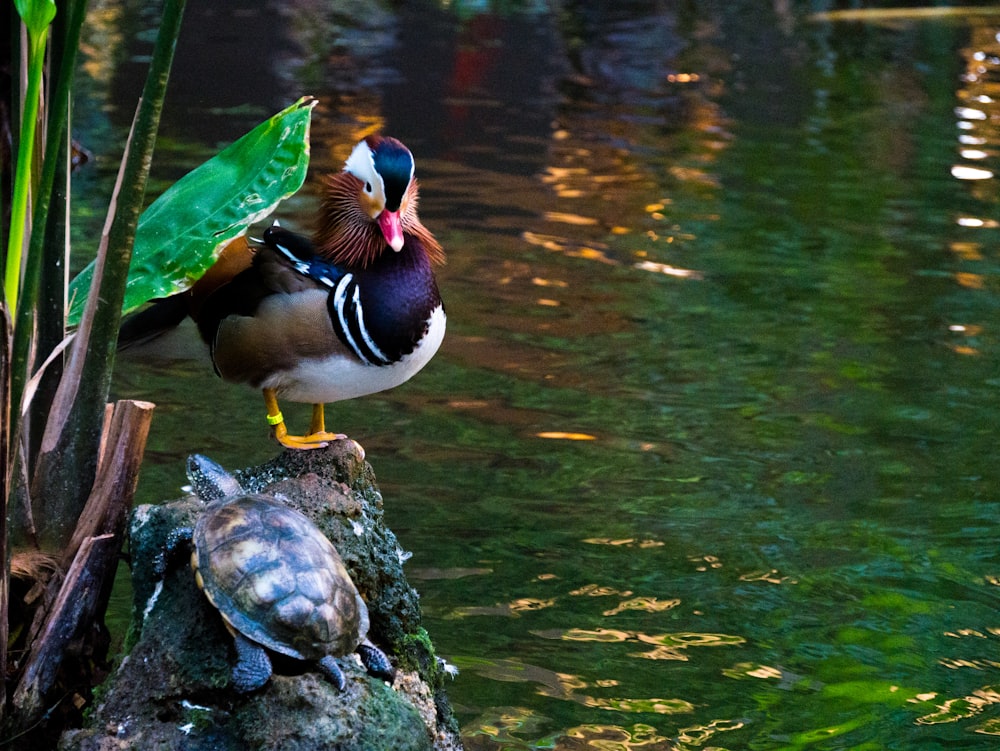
(37, 16)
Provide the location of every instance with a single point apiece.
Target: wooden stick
(91, 557)
(110, 499)
(72, 607)
(106, 435)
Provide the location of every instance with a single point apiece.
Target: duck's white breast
(333, 379)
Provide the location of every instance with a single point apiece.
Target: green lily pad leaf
(181, 234)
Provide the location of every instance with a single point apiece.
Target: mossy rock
(173, 690)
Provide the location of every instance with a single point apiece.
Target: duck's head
(369, 206)
(385, 168)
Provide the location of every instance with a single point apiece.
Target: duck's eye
(368, 187)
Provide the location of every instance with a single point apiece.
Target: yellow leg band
(277, 419)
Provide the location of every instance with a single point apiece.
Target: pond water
(704, 461)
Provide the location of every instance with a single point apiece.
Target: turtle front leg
(178, 541)
(376, 661)
(253, 666)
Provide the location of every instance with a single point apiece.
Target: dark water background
(708, 457)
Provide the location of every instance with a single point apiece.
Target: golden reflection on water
(771, 576)
(966, 345)
(569, 247)
(508, 609)
(628, 542)
(958, 663)
(964, 707)
(102, 41)
(563, 218)
(990, 727)
(604, 188)
(977, 113)
(752, 670)
(663, 268)
(669, 646)
(967, 251)
(506, 726)
(969, 280)
(705, 562)
(647, 706)
(539, 282)
(569, 687)
(978, 125)
(615, 738)
(971, 705)
(596, 590)
(647, 604)
(582, 634)
(564, 436)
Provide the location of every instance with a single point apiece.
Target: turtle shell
(276, 578)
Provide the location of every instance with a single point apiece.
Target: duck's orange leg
(317, 427)
(317, 438)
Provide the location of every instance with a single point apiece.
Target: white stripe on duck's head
(385, 167)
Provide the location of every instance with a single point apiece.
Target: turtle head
(209, 480)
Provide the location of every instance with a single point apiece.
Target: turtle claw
(331, 670)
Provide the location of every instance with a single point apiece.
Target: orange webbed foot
(318, 436)
(305, 442)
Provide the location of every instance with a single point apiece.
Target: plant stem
(22, 174)
(39, 326)
(67, 459)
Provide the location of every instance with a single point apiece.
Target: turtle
(278, 582)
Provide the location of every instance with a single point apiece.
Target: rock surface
(173, 690)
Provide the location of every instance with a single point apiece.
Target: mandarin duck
(352, 311)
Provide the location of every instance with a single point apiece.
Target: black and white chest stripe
(346, 313)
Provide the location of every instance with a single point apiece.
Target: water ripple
(668, 646)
